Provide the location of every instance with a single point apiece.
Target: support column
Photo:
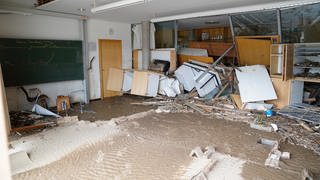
(4, 131)
(84, 32)
(279, 24)
(145, 45)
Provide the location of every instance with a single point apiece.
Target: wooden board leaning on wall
(254, 50)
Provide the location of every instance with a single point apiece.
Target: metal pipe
(224, 54)
(279, 24)
(86, 88)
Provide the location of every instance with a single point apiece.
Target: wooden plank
(186, 58)
(283, 90)
(173, 61)
(140, 83)
(135, 59)
(115, 79)
(288, 62)
(110, 52)
(237, 100)
(32, 127)
(274, 39)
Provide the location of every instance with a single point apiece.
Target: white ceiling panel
(136, 13)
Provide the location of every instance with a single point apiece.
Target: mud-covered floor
(157, 147)
(109, 108)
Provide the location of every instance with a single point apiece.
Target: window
(165, 34)
(262, 23)
(301, 24)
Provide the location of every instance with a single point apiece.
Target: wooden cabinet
(281, 61)
(214, 48)
(222, 34)
(288, 92)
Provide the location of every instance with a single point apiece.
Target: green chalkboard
(32, 61)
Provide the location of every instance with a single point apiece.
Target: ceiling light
(82, 9)
(15, 12)
(118, 4)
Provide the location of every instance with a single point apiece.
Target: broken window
(301, 24)
(262, 23)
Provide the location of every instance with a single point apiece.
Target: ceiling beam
(42, 12)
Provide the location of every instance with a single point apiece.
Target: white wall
(98, 29)
(47, 27)
(39, 27)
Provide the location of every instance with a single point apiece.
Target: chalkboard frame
(36, 61)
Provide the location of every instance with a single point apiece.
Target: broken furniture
(119, 80)
(186, 58)
(192, 75)
(288, 92)
(159, 66)
(254, 50)
(145, 83)
(255, 84)
(168, 55)
(304, 112)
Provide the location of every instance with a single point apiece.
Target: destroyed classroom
(160, 89)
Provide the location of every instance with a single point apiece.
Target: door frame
(102, 84)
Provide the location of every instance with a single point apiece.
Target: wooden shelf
(279, 76)
(317, 80)
(306, 67)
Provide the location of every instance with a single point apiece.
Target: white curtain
(137, 36)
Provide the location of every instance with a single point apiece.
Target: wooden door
(110, 55)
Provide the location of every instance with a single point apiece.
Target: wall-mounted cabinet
(306, 64)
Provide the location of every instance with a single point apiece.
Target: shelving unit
(306, 64)
(281, 58)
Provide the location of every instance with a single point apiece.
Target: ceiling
(136, 13)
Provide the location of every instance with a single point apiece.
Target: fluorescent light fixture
(117, 4)
(2, 11)
(241, 9)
